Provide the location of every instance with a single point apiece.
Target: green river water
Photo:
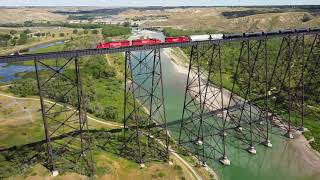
(281, 162)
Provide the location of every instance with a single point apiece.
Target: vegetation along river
(281, 162)
(8, 72)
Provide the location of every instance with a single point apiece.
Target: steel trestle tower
(145, 134)
(64, 116)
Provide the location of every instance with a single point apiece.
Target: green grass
(17, 135)
(54, 48)
(103, 85)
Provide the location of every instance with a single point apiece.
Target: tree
(4, 39)
(95, 31)
(86, 31)
(75, 31)
(13, 41)
(61, 34)
(28, 23)
(23, 38)
(126, 24)
(53, 35)
(306, 17)
(37, 34)
(27, 31)
(13, 32)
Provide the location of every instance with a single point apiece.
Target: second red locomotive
(137, 42)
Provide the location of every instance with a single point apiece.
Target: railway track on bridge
(89, 52)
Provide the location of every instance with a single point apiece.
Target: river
(281, 162)
(8, 72)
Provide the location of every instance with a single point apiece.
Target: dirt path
(185, 163)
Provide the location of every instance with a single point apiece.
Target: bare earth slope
(212, 18)
(19, 15)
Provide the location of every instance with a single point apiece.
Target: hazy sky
(154, 2)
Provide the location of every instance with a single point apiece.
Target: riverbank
(190, 173)
(10, 50)
(302, 149)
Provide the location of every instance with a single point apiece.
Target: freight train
(193, 38)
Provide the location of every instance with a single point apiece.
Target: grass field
(30, 130)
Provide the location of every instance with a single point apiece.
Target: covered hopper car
(197, 38)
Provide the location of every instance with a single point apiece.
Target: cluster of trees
(111, 31)
(9, 39)
(88, 17)
(98, 69)
(24, 87)
(86, 31)
(5, 39)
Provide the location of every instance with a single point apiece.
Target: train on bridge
(195, 38)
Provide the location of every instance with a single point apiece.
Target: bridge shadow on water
(282, 161)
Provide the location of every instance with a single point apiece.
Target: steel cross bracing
(263, 86)
(249, 122)
(272, 81)
(64, 116)
(310, 78)
(201, 131)
(145, 134)
(285, 85)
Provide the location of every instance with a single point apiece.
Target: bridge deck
(88, 52)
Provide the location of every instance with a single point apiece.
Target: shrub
(4, 39)
(13, 32)
(110, 31)
(23, 38)
(24, 87)
(306, 17)
(95, 31)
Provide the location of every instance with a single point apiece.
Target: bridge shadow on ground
(18, 160)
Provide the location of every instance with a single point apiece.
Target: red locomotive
(177, 39)
(141, 42)
(137, 42)
(115, 44)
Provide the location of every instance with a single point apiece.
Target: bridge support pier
(267, 143)
(67, 139)
(289, 135)
(250, 121)
(203, 114)
(145, 126)
(225, 161)
(252, 150)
